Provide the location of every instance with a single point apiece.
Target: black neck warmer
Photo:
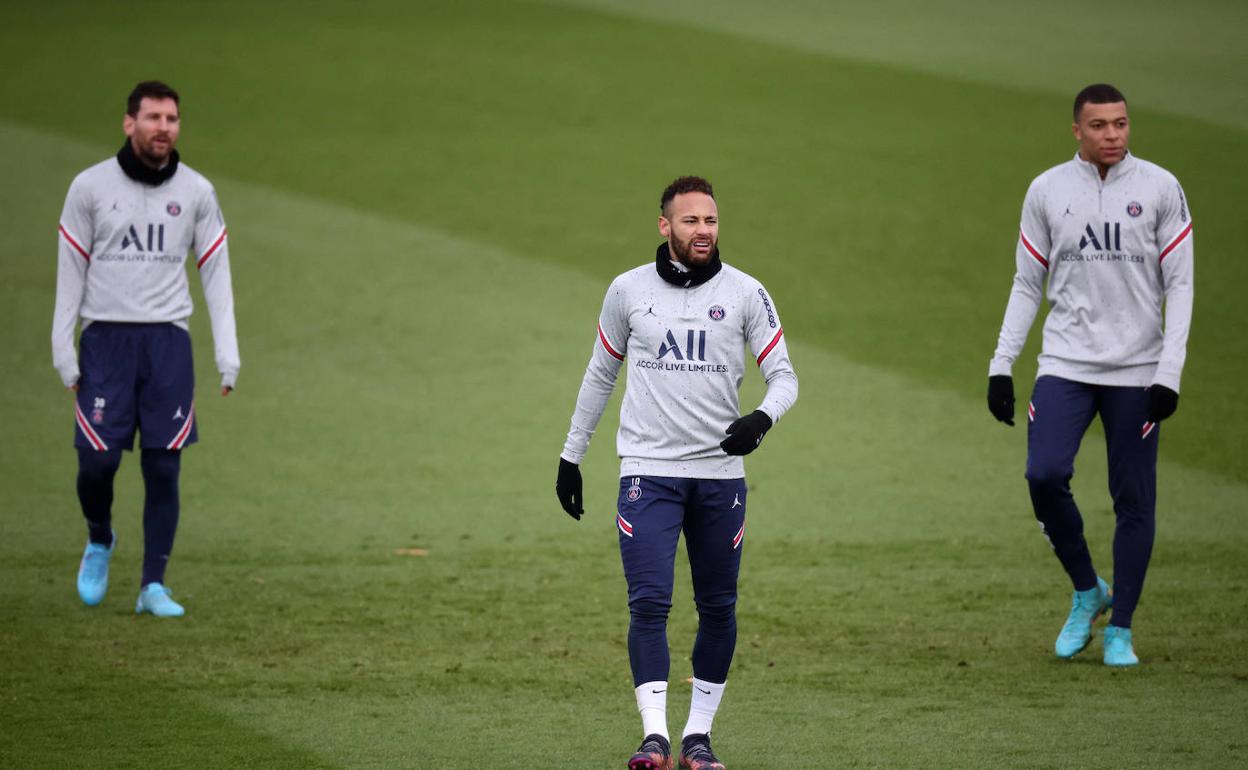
(140, 171)
(696, 276)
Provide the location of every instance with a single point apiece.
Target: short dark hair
(685, 184)
(149, 89)
(1097, 93)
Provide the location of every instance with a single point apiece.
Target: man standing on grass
(126, 229)
(683, 321)
(1112, 235)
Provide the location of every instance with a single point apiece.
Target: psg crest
(174, 208)
(634, 491)
(716, 313)
(1134, 208)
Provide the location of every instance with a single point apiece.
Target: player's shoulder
(1149, 171)
(1060, 175)
(192, 178)
(638, 276)
(740, 280)
(103, 173)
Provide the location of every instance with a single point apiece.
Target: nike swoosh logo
(704, 692)
(656, 692)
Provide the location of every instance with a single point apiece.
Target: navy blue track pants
(1058, 416)
(653, 512)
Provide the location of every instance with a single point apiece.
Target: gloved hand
(1161, 402)
(746, 433)
(568, 488)
(1001, 397)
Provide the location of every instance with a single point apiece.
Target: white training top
(686, 352)
(123, 249)
(1112, 251)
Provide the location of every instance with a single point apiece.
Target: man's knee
(717, 611)
(98, 467)
(646, 610)
(161, 465)
(1048, 476)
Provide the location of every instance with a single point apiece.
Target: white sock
(652, 703)
(703, 706)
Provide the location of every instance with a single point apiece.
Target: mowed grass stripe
(1039, 48)
(403, 388)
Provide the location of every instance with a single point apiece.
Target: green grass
(425, 207)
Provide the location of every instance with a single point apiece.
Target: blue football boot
(158, 600)
(1085, 608)
(1118, 650)
(93, 572)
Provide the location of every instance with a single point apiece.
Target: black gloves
(746, 433)
(568, 488)
(1001, 397)
(1161, 402)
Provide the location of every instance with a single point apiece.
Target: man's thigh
(715, 536)
(166, 392)
(1058, 415)
(106, 407)
(650, 513)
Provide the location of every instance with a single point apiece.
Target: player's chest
(143, 222)
(1112, 219)
(684, 325)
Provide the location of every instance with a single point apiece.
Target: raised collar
(694, 276)
(1116, 171)
(140, 171)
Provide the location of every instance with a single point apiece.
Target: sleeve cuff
(1168, 380)
(69, 376)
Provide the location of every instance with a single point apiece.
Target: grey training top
(123, 249)
(1112, 251)
(686, 353)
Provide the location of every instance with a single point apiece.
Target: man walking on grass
(128, 224)
(1111, 235)
(683, 322)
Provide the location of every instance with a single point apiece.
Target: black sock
(95, 491)
(160, 510)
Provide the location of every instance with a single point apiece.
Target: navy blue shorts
(135, 376)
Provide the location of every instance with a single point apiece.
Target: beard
(148, 153)
(683, 251)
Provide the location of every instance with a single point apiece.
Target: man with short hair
(683, 321)
(127, 227)
(1112, 235)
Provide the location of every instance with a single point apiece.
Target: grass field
(426, 202)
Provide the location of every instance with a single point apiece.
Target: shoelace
(701, 751)
(649, 747)
(156, 596)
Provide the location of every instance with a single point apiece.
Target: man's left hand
(746, 433)
(1161, 402)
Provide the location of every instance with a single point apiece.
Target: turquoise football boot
(158, 600)
(1085, 608)
(1118, 649)
(93, 572)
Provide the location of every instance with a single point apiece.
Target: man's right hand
(568, 488)
(1001, 397)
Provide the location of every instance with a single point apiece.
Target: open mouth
(702, 245)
